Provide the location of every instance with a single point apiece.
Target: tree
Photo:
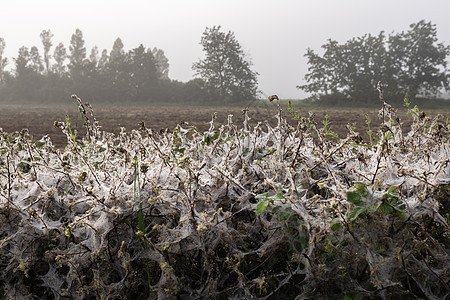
(117, 81)
(103, 59)
(93, 56)
(225, 70)
(117, 53)
(410, 63)
(117, 62)
(36, 60)
(3, 61)
(143, 73)
(60, 56)
(28, 81)
(325, 72)
(162, 63)
(419, 61)
(350, 70)
(22, 62)
(367, 54)
(77, 54)
(46, 38)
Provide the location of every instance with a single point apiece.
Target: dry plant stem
(83, 113)
(9, 177)
(380, 156)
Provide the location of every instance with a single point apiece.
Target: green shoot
(137, 198)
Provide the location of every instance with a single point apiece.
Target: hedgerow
(270, 212)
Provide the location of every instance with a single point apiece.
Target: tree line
(139, 75)
(410, 63)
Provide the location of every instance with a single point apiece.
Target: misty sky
(274, 34)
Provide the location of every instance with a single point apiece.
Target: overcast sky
(274, 34)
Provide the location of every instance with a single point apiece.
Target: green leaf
(386, 208)
(361, 188)
(354, 213)
(277, 196)
(401, 206)
(373, 207)
(216, 135)
(276, 210)
(401, 215)
(335, 224)
(207, 139)
(179, 150)
(392, 188)
(262, 196)
(97, 164)
(262, 206)
(353, 197)
(299, 187)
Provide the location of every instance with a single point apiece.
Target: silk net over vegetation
(270, 212)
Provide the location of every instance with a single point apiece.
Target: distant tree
(27, 83)
(103, 60)
(116, 77)
(58, 82)
(143, 73)
(36, 60)
(90, 66)
(351, 69)
(93, 56)
(162, 63)
(325, 72)
(60, 56)
(140, 74)
(117, 53)
(3, 61)
(91, 83)
(225, 70)
(77, 54)
(419, 61)
(46, 38)
(367, 55)
(117, 62)
(410, 63)
(22, 62)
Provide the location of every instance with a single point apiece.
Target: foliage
(46, 38)
(140, 75)
(3, 61)
(225, 69)
(410, 63)
(270, 212)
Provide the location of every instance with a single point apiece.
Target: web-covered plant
(264, 212)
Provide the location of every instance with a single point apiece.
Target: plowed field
(40, 119)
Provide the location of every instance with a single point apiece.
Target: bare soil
(39, 119)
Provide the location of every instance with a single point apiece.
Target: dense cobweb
(234, 212)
